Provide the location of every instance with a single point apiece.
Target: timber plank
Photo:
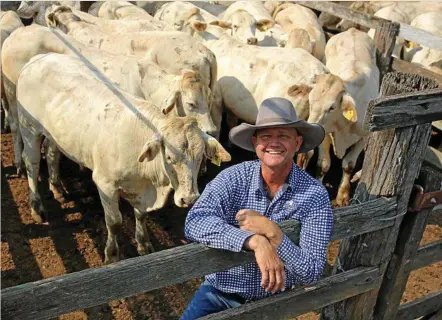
(302, 300)
(413, 68)
(420, 307)
(404, 110)
(427, 254)
(420, 36)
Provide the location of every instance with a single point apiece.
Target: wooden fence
(380, 235)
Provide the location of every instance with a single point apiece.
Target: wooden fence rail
(55, 296)
(427, 254)
(420, 307)
(299, 301)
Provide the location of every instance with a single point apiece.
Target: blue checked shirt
(211, 221)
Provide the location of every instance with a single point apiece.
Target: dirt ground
(75, 238)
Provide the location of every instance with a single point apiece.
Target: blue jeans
(209, 300)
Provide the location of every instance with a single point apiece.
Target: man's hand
(271, 266)
(252, 221)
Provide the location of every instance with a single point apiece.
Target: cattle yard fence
(380, 230)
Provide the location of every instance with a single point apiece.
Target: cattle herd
(136, 91)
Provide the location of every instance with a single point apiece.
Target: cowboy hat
(278, 113)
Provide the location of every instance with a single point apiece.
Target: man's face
(276, 147)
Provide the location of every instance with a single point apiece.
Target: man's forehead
(276, 131)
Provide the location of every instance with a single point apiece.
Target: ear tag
(216, 159)
(349, 114)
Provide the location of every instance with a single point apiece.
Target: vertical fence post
(410, 235)
(385, 40)
(392, 162)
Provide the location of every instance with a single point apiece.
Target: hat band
(273, 120)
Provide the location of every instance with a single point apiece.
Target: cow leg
(144, 246)
(324, 161)
(348, 164)
(15, 129)
(31, 155)
(109, 199)
(53, 160)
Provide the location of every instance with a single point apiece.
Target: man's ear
(215, 151)
(171, 102)
(348, 108)
(151, 148)
(264, 24)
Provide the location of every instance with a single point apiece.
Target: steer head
(330, 104)
(191, 98)
(180, 146)
(59, 17)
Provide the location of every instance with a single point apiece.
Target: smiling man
(240, 209)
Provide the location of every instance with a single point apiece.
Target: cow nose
(252, 41)
(186, 201)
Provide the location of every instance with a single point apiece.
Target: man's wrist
(275, 236)
(255, 242)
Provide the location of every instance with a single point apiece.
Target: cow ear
(51, 21)
(299, 90)
(222, 24)
(199, 26)
(348, 108)
(171, 102)
(215, 151)
(264, 24)
(151, 148)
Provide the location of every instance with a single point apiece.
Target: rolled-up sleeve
(208, 220)
(305, 263)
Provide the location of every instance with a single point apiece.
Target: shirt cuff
(287, 250)
(235, 238)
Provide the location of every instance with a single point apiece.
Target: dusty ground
(74, 240)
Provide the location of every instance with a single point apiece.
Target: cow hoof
(343, 200)
(37, 217)
(146, 248)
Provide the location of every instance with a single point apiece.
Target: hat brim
(312, 134)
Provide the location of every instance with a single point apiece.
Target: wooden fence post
(410, 235)
(392, 163)
(385, 40)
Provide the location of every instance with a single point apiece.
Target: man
(240, 209)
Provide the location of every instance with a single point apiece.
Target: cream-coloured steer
(339, 101)
(425, 56)
(9, 21)
(249, 74)
(181, 15)
(118, 10)
(251, 23)
(37, 10)
(294, 16)
(184, 93)
(134, 151)
(171, 50)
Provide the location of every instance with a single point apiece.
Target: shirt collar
(258, 181)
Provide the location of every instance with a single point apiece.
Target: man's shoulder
(239, 170)
(306, 183)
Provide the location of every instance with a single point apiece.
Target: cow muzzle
(186, 201)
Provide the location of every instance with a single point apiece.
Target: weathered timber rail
(381, 237)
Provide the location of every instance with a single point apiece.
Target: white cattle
(9, 21)
(118, 10)
(339, 101)
(251, 23)
(294, 16)
(211, 7)
(141, 77)
(133, 151)
(180, 15)
(37, 10)
(249, 74)
(369, 7)
(422, 55)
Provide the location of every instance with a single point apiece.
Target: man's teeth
(274, 152)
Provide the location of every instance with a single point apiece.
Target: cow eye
(192, 105)
(235, 26)
(168, 159)
(333, 106)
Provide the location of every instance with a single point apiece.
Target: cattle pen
(381, 230)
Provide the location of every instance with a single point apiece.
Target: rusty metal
(423, 200)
